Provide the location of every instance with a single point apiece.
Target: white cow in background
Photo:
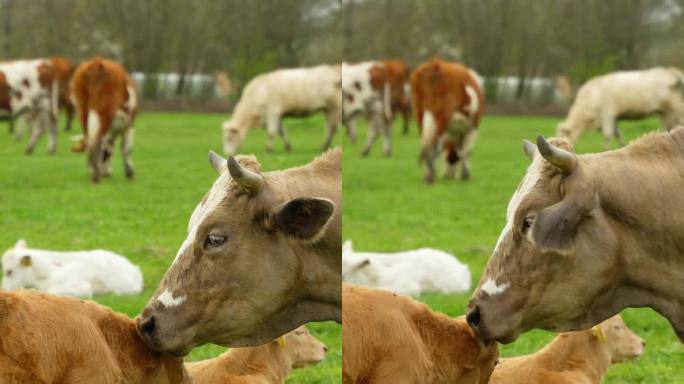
(407, 273)
(74, 273)
(295, 92)
(603, 100)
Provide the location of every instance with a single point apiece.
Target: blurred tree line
(241, 38)
(522, 38)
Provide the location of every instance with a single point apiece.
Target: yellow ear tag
(599, 333)
(281, 341)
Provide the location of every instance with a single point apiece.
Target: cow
(448, 102)
(107, 105)
(390, 338)
(261, 258)
(297, 92)
(270, 363)
(604, 100)
(408, 273)
(574, 357)
(585, 237)
(63, 70)
(58, 339)
(31, 87)
(76, 273)
(377, 89)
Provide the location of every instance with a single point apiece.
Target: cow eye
(8, 273)
(527, 224)
(214, 240)
(357, 85)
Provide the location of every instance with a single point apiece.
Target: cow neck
(636, 187)
(269, 360)
(577, 351)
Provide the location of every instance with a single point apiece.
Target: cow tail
(54, 99)
(387, 102)
(428, 136)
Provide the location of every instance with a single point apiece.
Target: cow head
(622, 342)
(554, 265)
(303, 348)
(233, 136)
(21, 269)
(257, 259)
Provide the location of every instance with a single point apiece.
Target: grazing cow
(389, 338)
(76, 273)
(448, 102)
(407, 273)
(377, 89)
(107, 105)
(30, 87)
(604, 100)
(298, 92)
(575, 357)
(270, 363)
(57, 339)
(262, 257)
(585, 237)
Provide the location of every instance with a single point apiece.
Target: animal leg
(107, 152)
(373, 133)
(51, 122)
(467, 148)
(283, 135)
(350, 127)
(127, 151)
(607, 129)
(37, 130)
(387, 138)
(69, 108)
(618, 135)
(272, 124)
(331, 119)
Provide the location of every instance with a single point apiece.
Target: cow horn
(529, 149)
(216, 161)
(250, 181)
(564, 160)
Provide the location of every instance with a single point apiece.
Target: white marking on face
(529, 181)
(167, 300)
(491, 288)
(215, 195)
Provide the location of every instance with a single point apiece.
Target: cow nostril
(148, 326)
(643, 343)
(325, 349)
(473, 317)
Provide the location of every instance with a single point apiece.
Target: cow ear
(363, 264)
(304, 218)
(25, 261)
(555, 227)
(21, 243)
(347, 247)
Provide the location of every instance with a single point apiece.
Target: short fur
(389, 338)
(103, 90)
(439, 92)
(54, 339)
(270, 363)
(574, 357)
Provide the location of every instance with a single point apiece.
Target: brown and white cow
(377, 89)
(448, 101)
(390, 338)
(31, 87)
(262, 257)
(59, 339)
(585, 237)
(107, 105)
(582, 357)
(270, 363)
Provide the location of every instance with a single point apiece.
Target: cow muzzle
(490, 324)
(149, 330)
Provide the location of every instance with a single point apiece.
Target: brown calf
(56, 339)
(390, 338)
(107, 104)
(574, 357)
(448, 102)
(270, 363)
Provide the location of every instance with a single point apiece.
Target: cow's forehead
(216, 194)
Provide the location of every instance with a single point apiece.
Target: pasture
(51, 202)
(387, 207)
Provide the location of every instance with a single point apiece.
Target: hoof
(430, 179)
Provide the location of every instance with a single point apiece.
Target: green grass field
(387, 207)
(51, 202)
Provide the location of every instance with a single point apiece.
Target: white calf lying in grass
(74, 273)
(266, 364)
(408, 273)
